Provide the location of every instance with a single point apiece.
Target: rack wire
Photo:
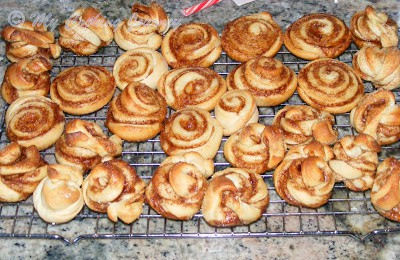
(346, 213)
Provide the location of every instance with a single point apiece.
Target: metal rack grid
(346, 213)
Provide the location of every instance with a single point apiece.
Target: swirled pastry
(316, 36)
(371, 28)
(178, 185)
(378, 115)
(19, 176)
(137, 113)
(302, 124)
(26, 40)
(356, 159)
(256, 147)
(27, 77)
(330, 85)
(234, 197)
(114, 187)
(85, 31)
(235, 109)
(58, 197)
(251, 36)
(192, 87)
(84, 145)
(191, 129)
(142, 65)
(34, 120)
(83, 89)
(268, 79)
(191, 45)
(380, 66)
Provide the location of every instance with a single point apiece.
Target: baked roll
(137, 113)
(234, 197)
(235, 109)
(191, 129)
(142, 65)
(58, 197)
(82, 90)
(114, 187)
(84, 145)
(34, 120)
(356, 159)
(19, 174)
(317, 36)
(268, 79)
(251, 36)
(27, 77)
(378, 115)
(371, 28)
(330, 85)
(192, 87)
(85, 31)
(191, 45)
(256, 148)
(178, 185)
(302, 124)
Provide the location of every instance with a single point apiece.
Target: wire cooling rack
(346, 213)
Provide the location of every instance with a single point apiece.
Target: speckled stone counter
(322, 247)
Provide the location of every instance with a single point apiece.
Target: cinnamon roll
(316, 36)
(251, 36)
(191, 129)
(235, 197)
(268, 79)
(191, 45)
(142, 65)
(330, 85)
(82, 90)
(192, 87)
(137, 113)
(34, 120)
(114, 187)
(378, 115)
(256, 147)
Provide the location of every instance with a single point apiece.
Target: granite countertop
(284, 12)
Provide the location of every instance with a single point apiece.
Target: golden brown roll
(380, 66)
(268, 79)
(85, 31)
(330, 85)
(83, 89)
(58, 197)
(235, 197)
(378, 115)
(302, 124)
(192, 87)
(304, 177)
(114, 187)
(356, 159)
(191, 129)
(235, 109)
(371, 28)
(251, 36)
(27, 77)
(34, 120)
(19, 174)
(137, 113)
(142, 65)
(256, 147)
(191, 45)
(178, 185)
(317, 36)
(84, 145)
(385, 192)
